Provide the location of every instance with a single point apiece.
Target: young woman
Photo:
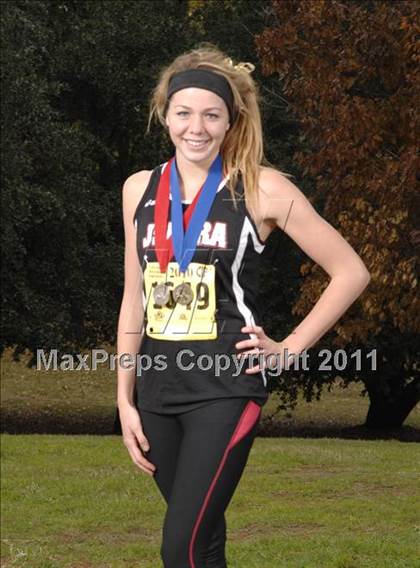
(195, 228)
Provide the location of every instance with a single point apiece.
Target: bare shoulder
(133, 189)
(135, 185)
(273, 183)
(279, 196)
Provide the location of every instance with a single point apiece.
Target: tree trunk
(389, 410)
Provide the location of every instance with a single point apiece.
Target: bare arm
(130, 327)
(130, 322)
(291, 211)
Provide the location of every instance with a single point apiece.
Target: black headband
(203, 79)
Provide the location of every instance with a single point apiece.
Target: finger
(256, 368)
(252, 329)
(143, 441)
(247, 343)
(139, 459)
(253, 370)
(250, 352)
(150, 473)
(138, 462)
(146, 466)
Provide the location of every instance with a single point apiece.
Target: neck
(192, 175)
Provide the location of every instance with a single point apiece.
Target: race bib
(178, 320)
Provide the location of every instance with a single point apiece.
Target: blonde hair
(242, 148)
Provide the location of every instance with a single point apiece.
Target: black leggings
(199, 456)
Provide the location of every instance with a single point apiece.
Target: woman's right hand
(133, 437)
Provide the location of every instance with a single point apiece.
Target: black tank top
(229, 240)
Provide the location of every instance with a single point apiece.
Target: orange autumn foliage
(350, 70)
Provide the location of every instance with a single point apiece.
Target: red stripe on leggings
(247, 420)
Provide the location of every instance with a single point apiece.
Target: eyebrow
(189, 108)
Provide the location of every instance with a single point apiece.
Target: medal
(180, 320)
(171, 313)
(161, 294)
(183, 294)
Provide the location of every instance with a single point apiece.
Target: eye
(212, 116)
(182, 112)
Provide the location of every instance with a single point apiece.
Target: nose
(196, 124)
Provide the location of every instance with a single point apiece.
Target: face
(197, 120)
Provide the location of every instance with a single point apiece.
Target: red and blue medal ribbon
(163, 246)
(184, 244)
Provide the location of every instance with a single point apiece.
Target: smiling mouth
(196, 143)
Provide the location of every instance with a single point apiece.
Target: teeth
(197, 144)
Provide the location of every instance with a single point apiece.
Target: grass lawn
(77, 501)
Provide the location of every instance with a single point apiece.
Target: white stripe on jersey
(247, 229)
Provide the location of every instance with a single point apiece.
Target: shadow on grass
(269, 429)
(48, 422)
